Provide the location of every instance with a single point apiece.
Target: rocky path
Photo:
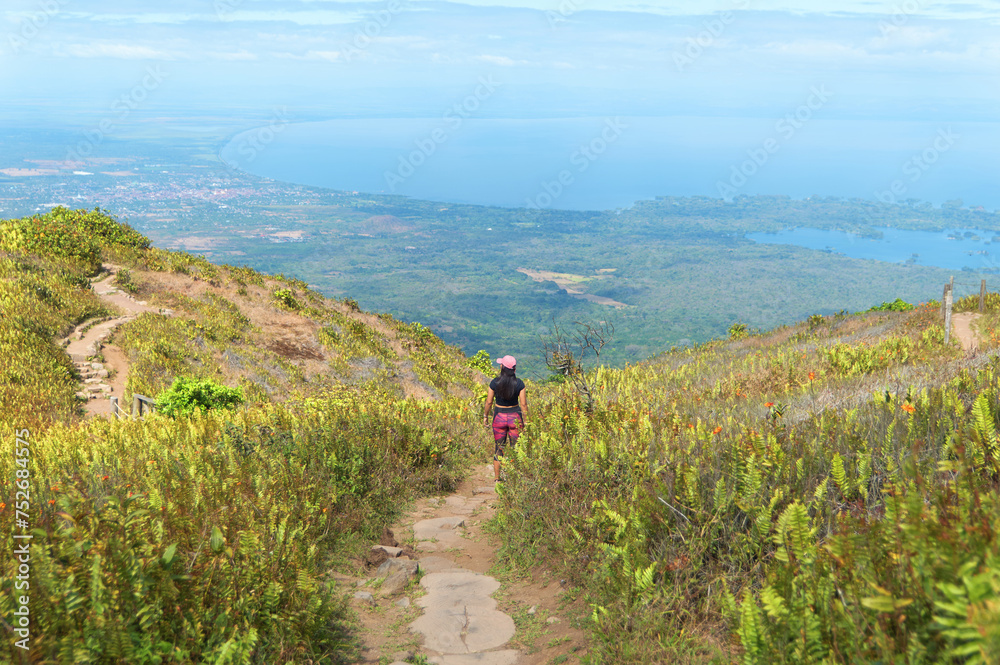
(104, 379)
(962, 326)
(458, 614)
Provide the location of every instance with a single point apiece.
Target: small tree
(187, 395)
(565, 352)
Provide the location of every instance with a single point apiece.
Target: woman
(511, 409)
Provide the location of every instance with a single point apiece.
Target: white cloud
(328, 56)
(910, 37)
(500, 60)
(120, 51)
(234, 56)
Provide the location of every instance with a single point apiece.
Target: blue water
(585, 163)
(954, 249)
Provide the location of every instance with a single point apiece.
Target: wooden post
(114, 406)
(944, 297)
(947, 317)
(982, 295)
(141, 405)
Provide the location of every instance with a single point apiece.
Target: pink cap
(507, 361)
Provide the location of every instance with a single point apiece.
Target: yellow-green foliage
(179, 540)
(77, 235)
(854, 359)
(698, 503)
(40, 299)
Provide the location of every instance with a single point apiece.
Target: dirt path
(103, 379)
(962, 325)
(458, 614)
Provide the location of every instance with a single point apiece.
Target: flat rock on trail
(459, 614)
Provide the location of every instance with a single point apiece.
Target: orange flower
(717, 429)
(812, 376)
(2, 505)
(769, 404)
(104, 478)
(52, 501)
(909, 408)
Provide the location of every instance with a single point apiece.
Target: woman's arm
(522, 399)
(489, 405)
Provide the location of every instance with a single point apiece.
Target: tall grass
(738, 501)
(209, 538)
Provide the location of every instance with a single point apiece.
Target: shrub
(483, 362)
(124, 281)
(738, 331)
(186, 396)
(51, 236)
(286, 299)
(897, 305)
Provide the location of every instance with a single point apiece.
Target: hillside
(271, 336)
(821, 492)
(210, 536)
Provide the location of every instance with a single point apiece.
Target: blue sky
(902, 58)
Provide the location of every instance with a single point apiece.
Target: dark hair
(507, 385)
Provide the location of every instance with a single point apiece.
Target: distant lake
(606, 163)
(954, 249)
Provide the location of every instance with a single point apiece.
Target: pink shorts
(506, 425)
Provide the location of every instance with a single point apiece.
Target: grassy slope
(806, 494)
(207, 538)
(715, 501)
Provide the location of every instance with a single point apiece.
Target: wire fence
(964, 288)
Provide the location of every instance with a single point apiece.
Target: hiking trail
(962, 325)
(104, 379)
(455, 615)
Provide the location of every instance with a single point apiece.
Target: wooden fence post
(114, 407)
(982, 295)
(947, 316)
(944, 296)
(141, 405)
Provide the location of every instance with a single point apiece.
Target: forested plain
(682, 268)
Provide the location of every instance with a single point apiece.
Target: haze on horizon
(69, 61)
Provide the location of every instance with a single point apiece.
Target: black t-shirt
(499, 400)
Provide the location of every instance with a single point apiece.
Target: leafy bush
(187, 395)
(897, 305)
(738, 331)
(124, 281)
(482, 362)
(74, 234)
(51, 236)
(286, 298)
